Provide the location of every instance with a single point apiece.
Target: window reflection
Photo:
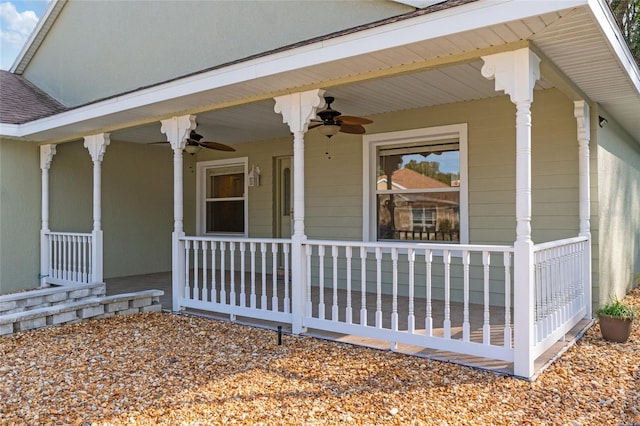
(418, 196)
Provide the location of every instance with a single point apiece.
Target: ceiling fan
(195, 142)
(331, 122)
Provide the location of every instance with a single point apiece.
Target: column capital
(581, 113)
(514, 72)
(46, 155)
(97, 145)
(298, 109)
(177, 130)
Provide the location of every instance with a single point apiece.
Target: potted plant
(615, 321)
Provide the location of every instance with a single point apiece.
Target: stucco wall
(97, 46)
(618, 181)
(19, 216)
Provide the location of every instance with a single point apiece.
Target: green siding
(19, 216)
(618, 222)
(154, 41)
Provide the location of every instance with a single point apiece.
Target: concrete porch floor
(162, 281)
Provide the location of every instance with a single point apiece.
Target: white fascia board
(610, 28)
(9, 130)
(467, 17)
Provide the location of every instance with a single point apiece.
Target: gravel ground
(181, 370)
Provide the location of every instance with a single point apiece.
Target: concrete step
(75, 311)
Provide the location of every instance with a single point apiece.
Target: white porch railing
(69, 258)
(559, 289)
(244, 277)
(449, 297)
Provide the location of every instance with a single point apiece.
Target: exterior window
(418, 185)
(222, 201)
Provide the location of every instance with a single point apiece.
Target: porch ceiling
(429, 60)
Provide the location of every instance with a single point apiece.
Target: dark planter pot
(615, 329)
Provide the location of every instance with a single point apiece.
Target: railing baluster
(205, 270)
(196, 270)
(286, 301)
(486, 327)
(411, 318)
(334, 306)
(348, 311)
(252, 250)
(274, 266)
(378, 287)
(243, 294)
(232, 275)
(214, 289)
(223, 272)
(321, 282)
(363, 286)
(187, 248)
(466, 328)
(308, 250)
(446, 257)
(65, 257)
(263, 296)
(507, 299)
(394, 296)
(428, 321)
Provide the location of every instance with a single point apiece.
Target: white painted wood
(177, 130)
(97, 145)
(515, 73)
(582, 114)
(297, 110)
(46, 157)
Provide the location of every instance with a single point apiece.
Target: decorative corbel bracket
(177, 130)
(514, 72)
(46, 155)
(298, 109)
(97, 145)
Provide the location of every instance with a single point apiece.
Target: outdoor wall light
(602, 121)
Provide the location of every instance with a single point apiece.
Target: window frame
(372, 142)
(201, 188)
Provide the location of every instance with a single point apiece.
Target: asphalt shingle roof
(21, 101)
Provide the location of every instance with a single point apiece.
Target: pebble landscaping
(166, 369)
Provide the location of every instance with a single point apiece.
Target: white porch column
(581, 113)
(46, 157)
(516, 73)
(97, 145)
(177, 130)
(297, 110)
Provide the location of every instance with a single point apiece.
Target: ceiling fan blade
(216, 145)
(351, 120)
(313, 126)
(354, 129)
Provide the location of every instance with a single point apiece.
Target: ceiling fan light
(329, 129)
(192, 149)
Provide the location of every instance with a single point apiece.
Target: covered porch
(508, 304)
(485, 291)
